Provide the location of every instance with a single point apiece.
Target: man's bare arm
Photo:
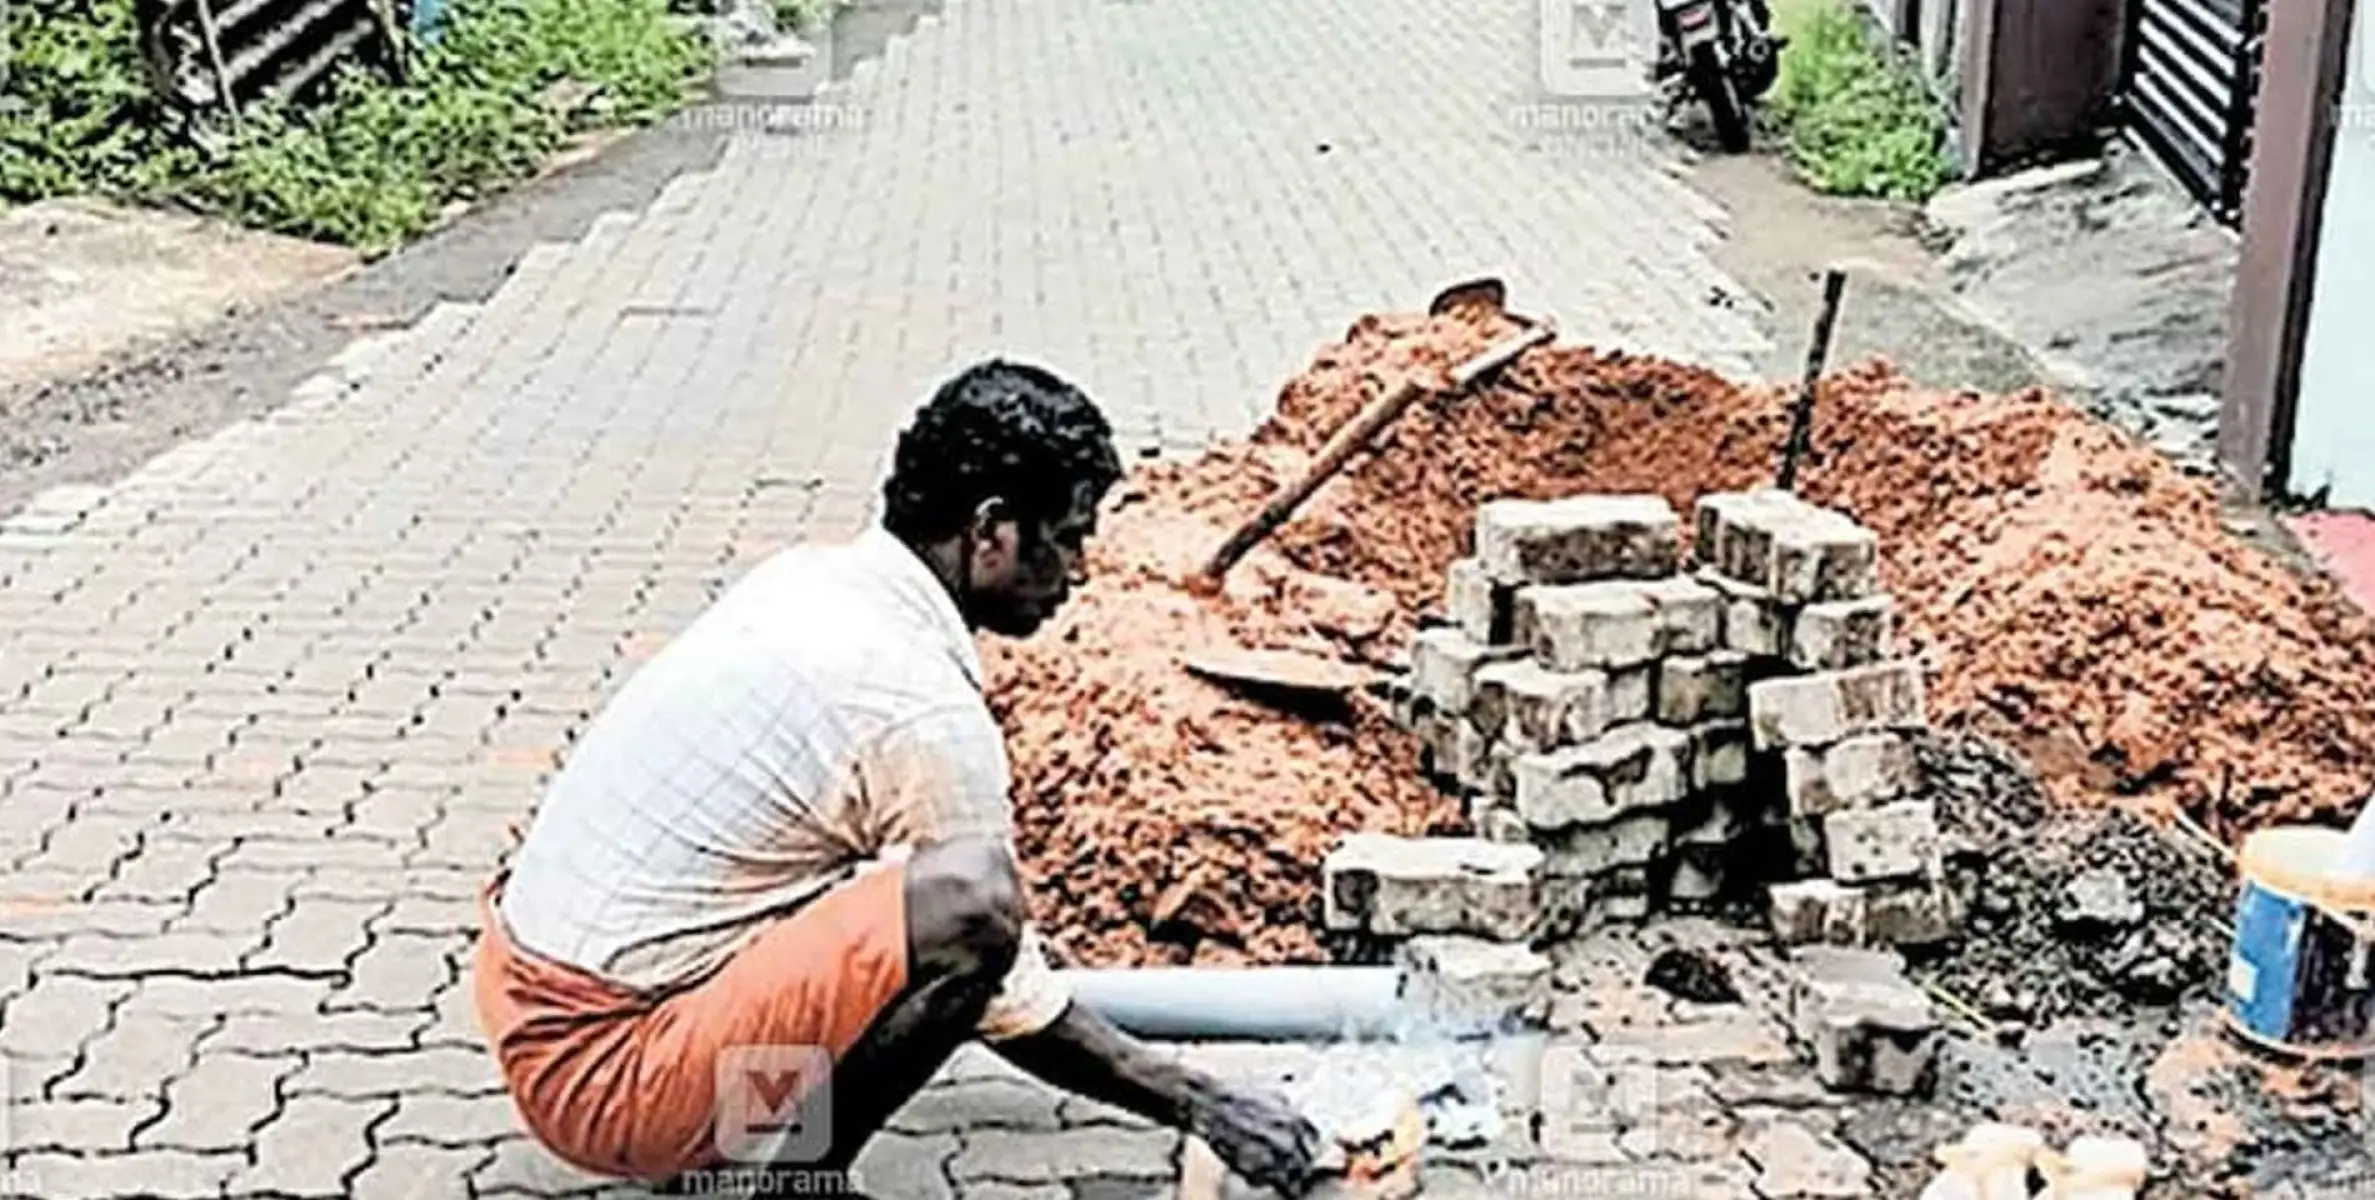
(1256, 1133)
(1084, 1054)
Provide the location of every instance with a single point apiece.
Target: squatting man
(792, 828)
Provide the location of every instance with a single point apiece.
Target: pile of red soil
(2067, 589)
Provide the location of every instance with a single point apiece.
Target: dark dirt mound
(2073, 912)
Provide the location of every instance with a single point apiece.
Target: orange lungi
(623, 1083)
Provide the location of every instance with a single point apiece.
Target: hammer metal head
(1487, 292)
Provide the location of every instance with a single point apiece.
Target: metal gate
(224, 54)
(2189, 85)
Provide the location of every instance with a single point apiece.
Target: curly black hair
(1000, 429)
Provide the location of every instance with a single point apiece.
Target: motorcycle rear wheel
(1724, 104)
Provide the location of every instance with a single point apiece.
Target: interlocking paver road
(272, 702)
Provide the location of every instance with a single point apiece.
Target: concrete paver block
(312, 1145)
(1484, 610)
(1443, 666)
(1819, 709)
(1596, 851)
(1696, 688)
(898, 1164)
(1796, 1160)
(1809, 911)
(1500, 823)
(1541, 709)
(1698, 876)
(1870, 1028)
(1395, 886)
(1578, 539)
(522, 1166)
(58, 1016)
(1921, 912)
(1823, 555)
(1453, 751)
(1690, 615)
(456, 1070)
(1069, 1154)
(151, 1174)
(1589, 626)
(1800, 552)
(1864, 771)
(127, 1061)
(1842, 633)
(980, 1104)
(89, 1124)
(1631, 691)
(1732, 532)
(1473, 757)
(396, 1172)
(1894, 841)
(1629, 768)
(1466, 985)
(444, 1120)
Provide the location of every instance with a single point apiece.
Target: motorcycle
(1724, 53)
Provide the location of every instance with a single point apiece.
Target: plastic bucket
(2301, 979)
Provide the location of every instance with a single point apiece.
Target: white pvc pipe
(1254, 1004)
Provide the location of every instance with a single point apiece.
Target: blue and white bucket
(2301, 978)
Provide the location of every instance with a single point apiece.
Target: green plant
(1857, 120)
(371, 162)
(76, 113)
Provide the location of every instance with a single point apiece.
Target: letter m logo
(1596, 49)
(774, 1104)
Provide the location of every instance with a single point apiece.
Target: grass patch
(1857, 120)
(370, 164)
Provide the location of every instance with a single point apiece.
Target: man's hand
(1260, 1137)
(1254, 1133)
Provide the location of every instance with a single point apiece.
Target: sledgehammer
(1354, 435)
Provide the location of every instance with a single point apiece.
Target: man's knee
(964, 909)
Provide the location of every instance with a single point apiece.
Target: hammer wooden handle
(1349, 439)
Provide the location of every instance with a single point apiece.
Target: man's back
(754, 761)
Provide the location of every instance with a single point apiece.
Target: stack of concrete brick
(1839, 708)
(1585, 697)
(1645, 725)
(1458, 915)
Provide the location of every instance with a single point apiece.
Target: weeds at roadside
(370, 164)
(1856, 120)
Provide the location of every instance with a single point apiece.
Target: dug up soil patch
(2069, 594)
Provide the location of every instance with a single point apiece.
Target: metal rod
(214, 56)
(1801, 426)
